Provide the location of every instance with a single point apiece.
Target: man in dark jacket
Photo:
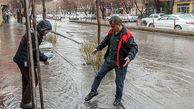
(121, 50)
(21, 59)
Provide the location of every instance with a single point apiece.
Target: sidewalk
(10, 36)
(139, 27)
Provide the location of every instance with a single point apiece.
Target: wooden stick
(30, 56)
(37, 55)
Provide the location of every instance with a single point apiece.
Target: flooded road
(161, 76)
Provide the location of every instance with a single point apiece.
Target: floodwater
(160, 77)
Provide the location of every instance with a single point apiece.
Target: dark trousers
(120, 77)
(26, 88)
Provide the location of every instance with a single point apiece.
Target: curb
(169, 31)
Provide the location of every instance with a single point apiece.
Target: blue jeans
(120, 77)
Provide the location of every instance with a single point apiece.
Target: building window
(183, 8)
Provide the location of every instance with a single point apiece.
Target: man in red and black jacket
(122, 49)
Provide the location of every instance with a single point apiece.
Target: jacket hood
(44, 25)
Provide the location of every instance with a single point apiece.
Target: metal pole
(37, 55)
(44, 9)
(30, 55)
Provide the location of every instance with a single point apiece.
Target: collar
(124, 31)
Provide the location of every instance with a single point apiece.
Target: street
(160, 77)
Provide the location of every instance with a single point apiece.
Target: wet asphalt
(160, 77)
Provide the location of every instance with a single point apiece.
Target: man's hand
(127, 62)
(46, 62)
(94, 51)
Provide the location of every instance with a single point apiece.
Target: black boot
(91, 95)
(117, 102)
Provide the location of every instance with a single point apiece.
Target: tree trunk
(44, 10)
(102, 9)
(98, 20)
(172, 6)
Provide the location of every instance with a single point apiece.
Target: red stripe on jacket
(124, 37)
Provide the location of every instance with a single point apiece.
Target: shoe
(91, 95)
(117, 102)
(26, 105)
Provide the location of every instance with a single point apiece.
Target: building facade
(183, 6)
(3, 3)
(150, 6)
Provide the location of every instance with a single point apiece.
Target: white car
(132, 18)
(192, 14)
(108, 17)
(49, 15)
(124, 17)
(178, 22)
(151, 17)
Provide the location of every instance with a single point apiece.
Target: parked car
(77, 16)
(192, 14)
(108, 17)
(90, 16)
(124, 17)
(74, 17)
(151, 17)
(61, 15)
(39, 16)
(132, 18)
(56, 17)
(49, 16)
(68, 16)
(180, 22)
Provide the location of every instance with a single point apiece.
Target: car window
(155, 16)
(164, 18)
(172, 18)
(186, 17)
(161, 15)
(151, 16)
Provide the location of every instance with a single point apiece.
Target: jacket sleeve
(133, 48)
(41, 55)
(104, 43)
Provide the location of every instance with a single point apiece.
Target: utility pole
(37, 55)
(44, 10)
(30, 55)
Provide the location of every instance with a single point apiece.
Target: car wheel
(150, 25)
(144, 23)
(178, 27)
